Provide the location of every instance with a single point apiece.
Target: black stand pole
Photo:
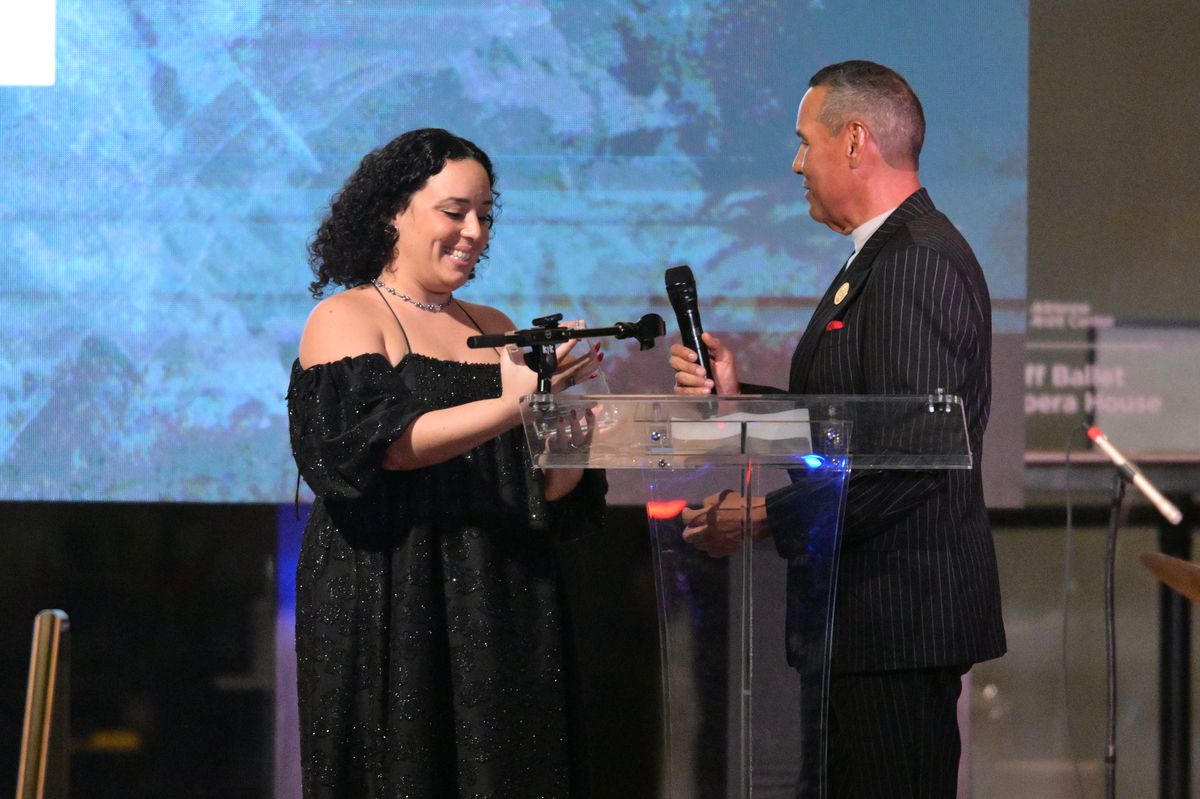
(1110, 636)
(1174, 665)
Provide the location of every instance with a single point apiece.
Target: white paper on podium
(782, 432)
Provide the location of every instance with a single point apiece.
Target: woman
(429, 617)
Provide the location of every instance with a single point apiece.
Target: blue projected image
(159, 195)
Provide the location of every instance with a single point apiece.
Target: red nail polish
(600, 357)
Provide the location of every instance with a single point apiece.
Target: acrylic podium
(738, 719)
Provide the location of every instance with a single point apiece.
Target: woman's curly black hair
(356, 240)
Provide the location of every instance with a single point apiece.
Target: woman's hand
(571, 433)
(517, 379)
(575, 369)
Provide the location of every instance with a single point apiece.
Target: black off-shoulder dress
(430, 622)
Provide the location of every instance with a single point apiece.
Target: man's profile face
(820, 161)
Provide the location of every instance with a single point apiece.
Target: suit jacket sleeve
(755, 388)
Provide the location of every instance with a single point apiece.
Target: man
(917, 597)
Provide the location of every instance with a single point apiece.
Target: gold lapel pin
(842, 291)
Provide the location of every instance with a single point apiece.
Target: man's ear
(856, 141)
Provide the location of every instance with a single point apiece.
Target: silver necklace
(432, 307)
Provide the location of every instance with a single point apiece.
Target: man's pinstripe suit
(917, 584)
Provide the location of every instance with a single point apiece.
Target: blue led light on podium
(813, 461)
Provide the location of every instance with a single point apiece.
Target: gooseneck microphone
(1135, 476)
(681, 290)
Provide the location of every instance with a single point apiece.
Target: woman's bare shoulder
(489, 319)
(342, 325)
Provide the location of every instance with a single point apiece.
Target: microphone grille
(681, 274)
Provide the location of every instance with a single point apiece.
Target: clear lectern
(739, 720)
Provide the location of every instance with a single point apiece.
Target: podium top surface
(652, 431)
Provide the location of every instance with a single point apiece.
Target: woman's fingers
(572, 371)
(589, 417)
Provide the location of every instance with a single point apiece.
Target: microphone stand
(1110, 635)
(546, 334)
(1126, 472)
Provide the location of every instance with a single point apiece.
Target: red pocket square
(836, 324)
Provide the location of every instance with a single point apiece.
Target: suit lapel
(802, 356)
(856, 276)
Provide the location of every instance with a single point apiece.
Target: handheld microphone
(681, 290)
(1164, 505)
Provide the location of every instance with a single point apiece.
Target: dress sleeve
(342, 417)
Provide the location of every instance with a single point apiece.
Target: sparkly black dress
(429, 614)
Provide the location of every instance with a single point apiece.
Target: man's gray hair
(881, 99)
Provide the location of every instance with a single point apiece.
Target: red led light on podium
(667, 509)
